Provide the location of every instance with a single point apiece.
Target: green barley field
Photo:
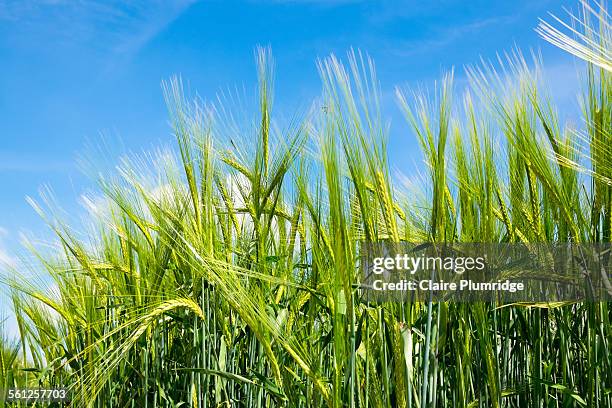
(224, 272)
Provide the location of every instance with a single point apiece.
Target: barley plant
(223, 273)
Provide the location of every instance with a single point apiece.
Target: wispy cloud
(18, 163)
(329, 3)
(389, 11)
(121, 27)
(446, 36)
(149, 23)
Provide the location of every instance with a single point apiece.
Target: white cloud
(5, 258)
(8, 324)
(566, 72)
(96, 205)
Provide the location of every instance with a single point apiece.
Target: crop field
(223, 272)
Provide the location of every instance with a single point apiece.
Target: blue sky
(71, 71)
